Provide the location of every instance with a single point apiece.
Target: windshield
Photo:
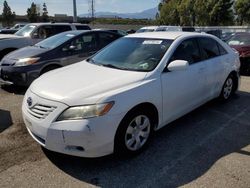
(239, 40)
(145, 30)
(25, 31)
(55, 41)
(135, 54)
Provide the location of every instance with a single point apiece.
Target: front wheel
(133, 133)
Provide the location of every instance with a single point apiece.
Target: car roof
(51, 23)
(165, 35)
(78, 32)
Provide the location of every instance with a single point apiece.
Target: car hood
(25, 52)
(9, 36)
(84, 83)
(244, 50)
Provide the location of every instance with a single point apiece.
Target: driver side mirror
(178, 65)
(72, 48)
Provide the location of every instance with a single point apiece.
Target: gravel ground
(209, 147)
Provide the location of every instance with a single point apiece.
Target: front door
(183, 90)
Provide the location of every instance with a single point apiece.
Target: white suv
(115, 100)
(34, 33)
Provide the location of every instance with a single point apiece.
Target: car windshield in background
(25, 31)
(239, 40)
(135, 54)
(55, 41)
(144, 30)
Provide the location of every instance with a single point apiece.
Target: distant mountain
(148, 14)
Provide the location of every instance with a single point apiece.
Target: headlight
(27, 61)
(84, 112)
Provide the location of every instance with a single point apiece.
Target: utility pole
(92, 9)
(75, 11)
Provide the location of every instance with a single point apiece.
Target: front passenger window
(188, 50)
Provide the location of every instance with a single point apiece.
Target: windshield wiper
(113, 66)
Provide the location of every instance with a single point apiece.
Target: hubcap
(228, 87)
(137, 132)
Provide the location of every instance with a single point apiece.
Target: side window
(82, 27)
(85, 43)
(221, 49)
(44, 32)
(209, 48)
(61, 28)
(106, 38)
(188, 50)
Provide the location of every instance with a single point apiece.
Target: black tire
(129, 124)
(229, 88)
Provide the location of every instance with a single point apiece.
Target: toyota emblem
(29, 101)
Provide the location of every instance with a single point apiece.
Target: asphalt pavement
(209, 147)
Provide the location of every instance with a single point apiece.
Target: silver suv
(34, 33)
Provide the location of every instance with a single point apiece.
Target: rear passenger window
(106, 38)
(209, 48)
(221, 49)
(188, 50)
(82, 27)
(61, 28)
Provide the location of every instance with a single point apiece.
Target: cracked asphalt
(209, 147)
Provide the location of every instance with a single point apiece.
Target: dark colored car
(241, 43)
(8, 31)
(23, 66)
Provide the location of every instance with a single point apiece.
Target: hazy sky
(66, 6)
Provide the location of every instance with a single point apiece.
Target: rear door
(215, 59)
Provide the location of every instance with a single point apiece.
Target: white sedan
(115, 100)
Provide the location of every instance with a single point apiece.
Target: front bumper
(92, 137)
(22, 76)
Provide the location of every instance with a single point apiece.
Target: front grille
(41, 111)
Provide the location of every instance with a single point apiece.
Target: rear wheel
(228, 88)
(133, 133)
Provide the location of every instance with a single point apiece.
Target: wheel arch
(234, 74)
(151, 108)
(50, 66)
(6, 51)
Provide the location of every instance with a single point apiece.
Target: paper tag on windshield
(152, 42)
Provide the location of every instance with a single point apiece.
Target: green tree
(202, 9)
(45, 17)
(8, 17)
(186, 12)
(220, 12)
(169, 14)
(32, 13)
(242, 10)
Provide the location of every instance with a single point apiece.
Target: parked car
(164, 28)
(8, 31)
(13, 29)
(226, 36)
(34, 33)
(241, 43)
(23, 66)
(113, 101)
